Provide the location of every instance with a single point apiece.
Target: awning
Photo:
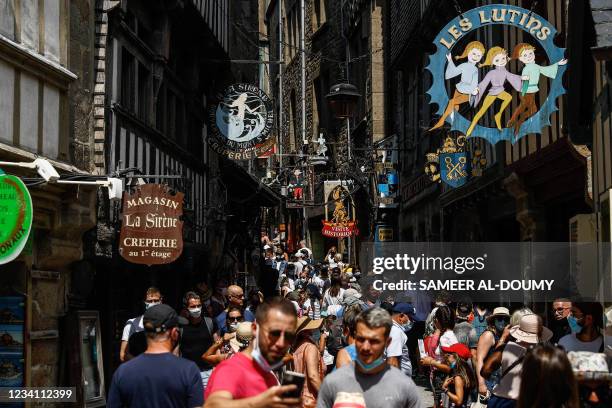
(245, 189)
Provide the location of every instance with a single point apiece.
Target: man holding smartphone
(248, 378)
(370, 381)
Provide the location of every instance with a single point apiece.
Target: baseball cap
(159, 318)
(460, 349)
(402, 307)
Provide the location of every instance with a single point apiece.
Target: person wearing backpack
(133, 340)
(198, 335)
(509, 356)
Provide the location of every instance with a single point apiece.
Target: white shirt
(398, 348)
(571, 343)
(126, 329)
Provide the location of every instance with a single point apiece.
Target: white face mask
(151, 304)
(233, 327)
(195, 311)
(260, 359)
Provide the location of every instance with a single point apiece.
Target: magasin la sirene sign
(15, 217)
(483, 81)
(152, 231)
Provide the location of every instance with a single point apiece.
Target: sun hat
(352, 292)
(460, 349)
(244, 335)
(499, 311)
(306, 323)
(527, 330)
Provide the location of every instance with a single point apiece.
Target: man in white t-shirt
(132, 326)
(585, 321)
(397, 351)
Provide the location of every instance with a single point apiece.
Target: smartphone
(422, 348)
(291, 377)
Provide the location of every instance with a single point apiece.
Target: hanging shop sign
(342, 222)
(15, 217)
(384, 233)
(240, 124)
(454, 164)
(482, 79)
(152, 230)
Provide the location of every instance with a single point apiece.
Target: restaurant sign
(152, 230)
(15, 217)
(342, 222)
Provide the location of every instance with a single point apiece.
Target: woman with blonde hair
(468, 83)
(497, 77)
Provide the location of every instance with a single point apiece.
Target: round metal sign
(241, 123)
(15, 217)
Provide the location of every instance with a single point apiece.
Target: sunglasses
(235, 319)
(274, 335)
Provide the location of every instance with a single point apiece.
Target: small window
(128, 81)
(319, 16)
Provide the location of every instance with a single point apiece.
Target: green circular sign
(15, 217)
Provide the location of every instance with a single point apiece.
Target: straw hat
(527, 330)
(244, 335)
(306, 323)
(499, 311)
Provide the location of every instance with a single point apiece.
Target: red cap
(460, 349)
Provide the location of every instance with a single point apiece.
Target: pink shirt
(241, 377)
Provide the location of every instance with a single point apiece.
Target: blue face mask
(453, 365)
(574, 325)
(407, 326)
(373, 365)
(500, 325)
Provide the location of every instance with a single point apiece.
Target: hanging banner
(386, 173)
(342, 222)
(483, 81)
(15, 217)
(152, 231)
(240, 124)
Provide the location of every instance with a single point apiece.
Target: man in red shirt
(247, 379)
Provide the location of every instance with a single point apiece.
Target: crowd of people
(329, 339)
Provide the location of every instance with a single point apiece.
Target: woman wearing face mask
(460, 382)
(496, 332)
(307, 360)
(222, 348)
(198, 336)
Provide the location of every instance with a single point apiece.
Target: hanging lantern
(342, 99)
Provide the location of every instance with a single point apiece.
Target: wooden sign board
(152, 231)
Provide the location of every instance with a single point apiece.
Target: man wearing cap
(370, 382)
(509, 357)
(248, 378)
(397, 352)
(158, 378)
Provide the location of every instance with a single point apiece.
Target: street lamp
(342, 99)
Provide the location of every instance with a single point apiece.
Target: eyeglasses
(235, 319)
(274, 335)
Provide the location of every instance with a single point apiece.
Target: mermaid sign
(484, 79)
(241, 123)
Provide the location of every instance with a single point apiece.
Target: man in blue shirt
(235, 297)
(158, 378)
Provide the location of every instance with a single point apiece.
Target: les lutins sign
(152, 231)
(15, 217)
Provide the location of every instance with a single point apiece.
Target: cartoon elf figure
(497, 77)
(526, 54)
(474, 52)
